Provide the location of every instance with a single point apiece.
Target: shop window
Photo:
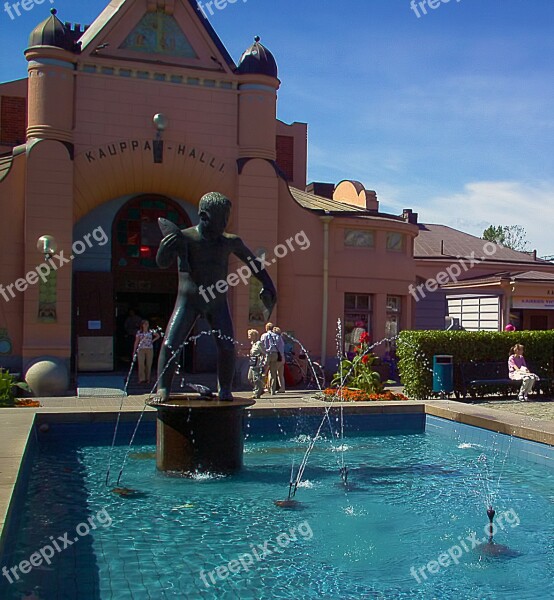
(395, 241)
(357, 318)
(357, 238)
(137, 235)
(394, 313)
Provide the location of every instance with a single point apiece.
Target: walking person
(269, 342)
(518, 371)
(144, 349)
(280, 360)
(256, 369)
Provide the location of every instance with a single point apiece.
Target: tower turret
(51, 60)
(257, 102)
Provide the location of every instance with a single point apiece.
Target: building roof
(52, 32)
(496, 278)
(441, 241)
(320, 204)
(257, 59)
(315, 202)
(116, 6)
(533, 276)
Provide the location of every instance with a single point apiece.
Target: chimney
(409, 216)
(321, 189)
(371, 202)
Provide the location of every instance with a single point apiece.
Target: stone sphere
(48, 377)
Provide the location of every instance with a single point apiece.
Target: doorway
(538, 322)
(142, 290)
(155, 308)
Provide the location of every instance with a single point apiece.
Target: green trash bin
(443, 373)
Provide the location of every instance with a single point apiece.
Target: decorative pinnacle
(54, 11)
(257, 39)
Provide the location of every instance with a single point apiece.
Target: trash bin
(443, 373)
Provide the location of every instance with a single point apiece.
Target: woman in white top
(144, 348)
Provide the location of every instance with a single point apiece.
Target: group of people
(267, 360)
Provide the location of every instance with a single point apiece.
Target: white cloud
(485, 203)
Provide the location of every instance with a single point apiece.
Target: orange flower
(27, 402)
(348, 395)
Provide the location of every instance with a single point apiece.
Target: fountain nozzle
(292, 490)
(344, 474)
(490, 514)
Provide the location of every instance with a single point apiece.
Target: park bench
(494, 377)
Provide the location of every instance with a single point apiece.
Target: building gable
(159, 33)
(172, 32)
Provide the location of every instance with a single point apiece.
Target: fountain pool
(413, 496)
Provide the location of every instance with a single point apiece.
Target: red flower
(365, 338)
(365, 358)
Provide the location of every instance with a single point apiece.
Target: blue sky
(450, 114)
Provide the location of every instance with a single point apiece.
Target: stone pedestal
(194, 435)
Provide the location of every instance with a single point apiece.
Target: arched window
(136, 234)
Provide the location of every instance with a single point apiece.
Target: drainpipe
(325, 220)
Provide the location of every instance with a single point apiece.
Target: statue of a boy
(203, 257)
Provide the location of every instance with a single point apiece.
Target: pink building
(135, 118)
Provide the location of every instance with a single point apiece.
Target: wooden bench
(493, 375)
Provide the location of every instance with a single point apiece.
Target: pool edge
(18, 424)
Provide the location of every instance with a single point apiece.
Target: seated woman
(518, 371)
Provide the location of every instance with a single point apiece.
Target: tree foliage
(509, 236)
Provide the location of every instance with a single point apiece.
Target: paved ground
(543, 409)
(539, 407)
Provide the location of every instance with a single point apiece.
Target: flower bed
(353, 395)
(26, 402)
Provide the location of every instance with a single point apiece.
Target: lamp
(160, 123)
(47, 245)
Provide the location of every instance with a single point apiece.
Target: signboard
(536, 303)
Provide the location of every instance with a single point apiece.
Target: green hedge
(415, 351)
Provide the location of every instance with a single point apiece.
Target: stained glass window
(137, 235)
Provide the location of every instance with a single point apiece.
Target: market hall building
(134, 118)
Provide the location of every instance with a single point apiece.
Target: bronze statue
(203, 259)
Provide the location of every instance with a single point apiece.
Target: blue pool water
(414, 498)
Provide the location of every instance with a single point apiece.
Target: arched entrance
(141, 289)
(114, 278)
